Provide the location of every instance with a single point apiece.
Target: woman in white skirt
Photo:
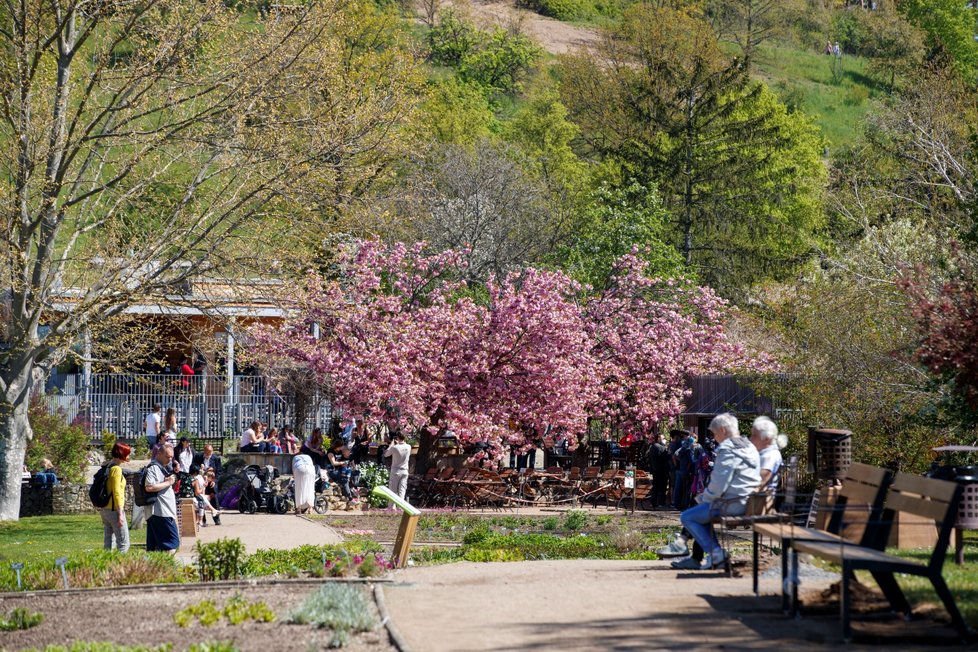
(304, 475)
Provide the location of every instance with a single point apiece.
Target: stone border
(392, 632)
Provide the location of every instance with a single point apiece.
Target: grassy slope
(837, 103)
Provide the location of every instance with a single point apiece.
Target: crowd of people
(702, 478)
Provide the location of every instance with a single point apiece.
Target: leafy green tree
(950, 28)
(617, 220)
(497, 60)
(456, 112)
(741, 178)
(203, 121)
(541, 130)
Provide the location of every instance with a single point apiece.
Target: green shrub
(339, 607)
(213, 646)
(551, 523)
(856, 95)
(20, 618)
(575, 519)
(65, 445)
(374, 475)
(236, 611)
(496, 61)
(560, 9)
(223, 559)
(108, 441)
(97, 568)
(306, 558)
(452, 39)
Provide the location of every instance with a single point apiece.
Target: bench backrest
(865, 485)
(931, 499)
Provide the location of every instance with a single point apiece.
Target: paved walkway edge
(392, 632)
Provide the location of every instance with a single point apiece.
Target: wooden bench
(931, 499)
(863, 490)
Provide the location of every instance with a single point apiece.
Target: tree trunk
(425, 458)
(15, 432)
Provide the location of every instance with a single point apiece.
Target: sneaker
(676, 548)
(217, 518)
(687, 564)
(203, 525)
(718, 559)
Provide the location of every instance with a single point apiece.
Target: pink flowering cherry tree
(398, 334)
(649, 336)
(403, 341)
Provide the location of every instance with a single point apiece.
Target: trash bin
(829, 452)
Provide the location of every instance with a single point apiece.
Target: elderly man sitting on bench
(736, 474)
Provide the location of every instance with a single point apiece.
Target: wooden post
(409, 523)
(405, 537)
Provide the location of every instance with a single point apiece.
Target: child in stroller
(256, 492)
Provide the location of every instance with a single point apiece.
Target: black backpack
(140, 496)
(98, 493)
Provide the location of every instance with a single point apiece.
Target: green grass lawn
(837, 102)
(962, 580)
(42, 539)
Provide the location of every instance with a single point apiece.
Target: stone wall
(65, 499)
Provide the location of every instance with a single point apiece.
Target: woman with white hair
(764, 436)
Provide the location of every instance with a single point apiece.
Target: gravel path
(276, 531)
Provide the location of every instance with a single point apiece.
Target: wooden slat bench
(930, 499)
(863, 490)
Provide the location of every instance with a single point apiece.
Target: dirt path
(554, 36)
(596, 605)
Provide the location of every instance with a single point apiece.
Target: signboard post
(407, 528)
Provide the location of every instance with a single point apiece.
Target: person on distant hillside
(114, 513)
(828, 48)
(400, 452)
(162, 533)
(151, 427)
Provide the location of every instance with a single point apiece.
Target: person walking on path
(152, 425)
(400, 452)
(114, 513)
(736, 474)
(162, 533)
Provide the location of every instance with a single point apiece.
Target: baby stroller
(256, 491)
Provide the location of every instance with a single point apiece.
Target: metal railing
(206, 405)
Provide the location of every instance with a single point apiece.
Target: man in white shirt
(152, 425)
(399, 451)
